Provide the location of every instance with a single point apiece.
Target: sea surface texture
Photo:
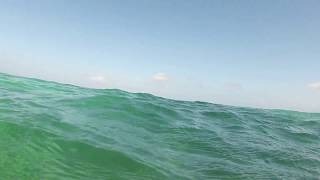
(55, 131)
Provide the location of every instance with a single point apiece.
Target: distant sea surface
(55, 131)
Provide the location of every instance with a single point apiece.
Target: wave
(56, 131)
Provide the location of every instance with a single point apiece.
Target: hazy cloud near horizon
(160, 77)
(315, 86)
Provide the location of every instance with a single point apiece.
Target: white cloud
(315, 85)
(160, 77)
(98, 78)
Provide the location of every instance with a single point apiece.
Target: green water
(55, 131)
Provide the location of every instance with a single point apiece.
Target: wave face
(56, 131)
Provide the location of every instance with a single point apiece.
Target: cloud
(315, 85)
(98, 78)
(160, 77)
(233, 86)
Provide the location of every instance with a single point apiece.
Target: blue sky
(245, 53)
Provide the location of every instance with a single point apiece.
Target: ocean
(57, 131)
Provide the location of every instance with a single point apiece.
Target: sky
(263, 54)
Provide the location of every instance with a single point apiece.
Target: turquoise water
(56, 131)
